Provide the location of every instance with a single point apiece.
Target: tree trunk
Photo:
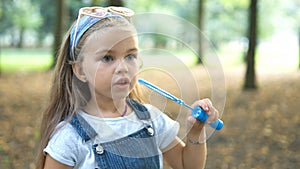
(250, 79)
(299, 47)
(21, 37)
(116, 3)
(200, 27)
(59, 28)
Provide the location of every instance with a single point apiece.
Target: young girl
(96, 119)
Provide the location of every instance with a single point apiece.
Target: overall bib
(135, 151)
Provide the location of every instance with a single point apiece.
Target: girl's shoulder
(65, 132)
(65, 144)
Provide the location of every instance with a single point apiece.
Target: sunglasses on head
(88, 16)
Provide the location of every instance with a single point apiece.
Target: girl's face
(110, 63)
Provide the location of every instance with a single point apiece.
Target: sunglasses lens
(99, 12)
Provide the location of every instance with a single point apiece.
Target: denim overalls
(135, 151)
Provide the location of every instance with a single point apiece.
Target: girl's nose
(121, 67)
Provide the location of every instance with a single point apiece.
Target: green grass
(12, 59)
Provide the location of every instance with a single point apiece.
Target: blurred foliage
(19, 16)
(224, 20)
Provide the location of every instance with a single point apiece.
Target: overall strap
(85, 131)
(143, 114)
(141, 111)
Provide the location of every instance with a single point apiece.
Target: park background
(261, 121)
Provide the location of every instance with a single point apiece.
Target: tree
(48, 14)
(200, 26)
(250, 78)
(59, 28)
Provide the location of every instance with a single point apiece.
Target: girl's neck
(107, 108)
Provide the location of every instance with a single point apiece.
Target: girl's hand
(207, 106)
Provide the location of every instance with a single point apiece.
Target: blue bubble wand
(197, 112)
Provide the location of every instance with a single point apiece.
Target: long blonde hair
(68, 93)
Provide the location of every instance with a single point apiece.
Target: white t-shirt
(67, 147)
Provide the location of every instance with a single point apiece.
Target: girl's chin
(120, 95)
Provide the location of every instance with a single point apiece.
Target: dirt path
(261, 127)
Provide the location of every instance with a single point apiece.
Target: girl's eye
(131, 57)
(107, 59)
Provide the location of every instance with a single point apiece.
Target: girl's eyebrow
(100, 51)
(132, 50)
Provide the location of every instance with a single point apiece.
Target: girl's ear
(78, 71)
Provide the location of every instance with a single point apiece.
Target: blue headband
(84, 24)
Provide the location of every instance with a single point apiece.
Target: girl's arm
(192, 154)
(186, 156)
(50, 163)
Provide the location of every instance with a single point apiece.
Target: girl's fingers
(207, 106)
(213, 115)
(203, 104)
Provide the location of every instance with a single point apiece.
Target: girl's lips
(122, 83)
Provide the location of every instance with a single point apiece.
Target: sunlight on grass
(279, 59)
(268, 58)
(25, 59)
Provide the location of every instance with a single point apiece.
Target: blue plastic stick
(197, 112)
